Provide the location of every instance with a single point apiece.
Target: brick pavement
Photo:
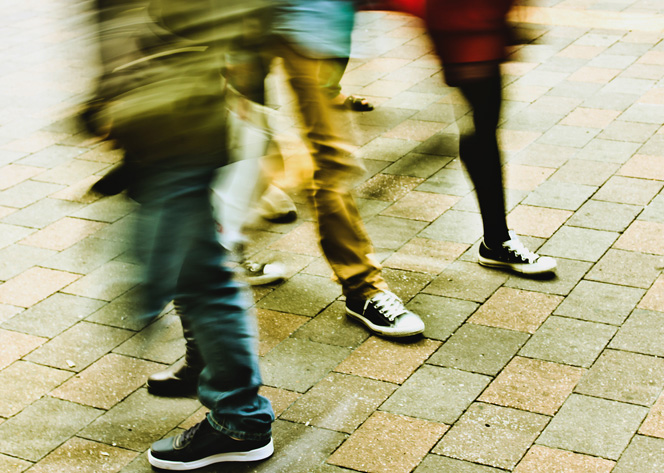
(559, 375)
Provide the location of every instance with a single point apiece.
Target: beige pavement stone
(425, 255)
(386, 360)
(515, 140)
(652, 57)
(12, 174)
(274, 327)
(13, 465)
(23, 383)
(550, 460)
(4, 211)
(80, 455)
(8, 311)
(388, 443)
(417, 130)
(387, 187)
(107, 381)
(590, 117)
(106, 282)
(644, 166)
(581, 52)
(654, 298)
(34, 285)
(423, 206)
(302, 240)
(36, 141)
(537, 221)
(63, 233)
(599, 75)
(654, 423)
(515, 309)
(15, 345)
(533, 385)
(80, 191)
(644, 237)
(525, 178)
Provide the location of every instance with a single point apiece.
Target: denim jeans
(184, 260)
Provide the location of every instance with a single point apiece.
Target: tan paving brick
(654, 298)
(388, 443)
(12, 174)
(645, 237)
(423, 206)
(274, 327)
(107, 381)
(8, 311)
(599, 75)
(515, 309)
(590, 118)
(644, 166)
(15, 345)
(80, 191)
(550, 460)
(525, 178)
(35, 141)
(302, 240)
(386, 360)
(34, 285)
(581, 52)
(63, 233)
(516, 140)
(23, 383)
(13, 465)
(417, 130)
(425, 255)
(533, 385)
(537, 221)
(79, 455)
(387, 187)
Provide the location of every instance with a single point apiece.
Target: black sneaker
(386, 315)
(203, 445)
(513, 255)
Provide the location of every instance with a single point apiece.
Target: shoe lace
(388, 304)
(183, 439)
(518, 249)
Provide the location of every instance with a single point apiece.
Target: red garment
(468, 30)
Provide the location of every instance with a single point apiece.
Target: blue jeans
(184, 261)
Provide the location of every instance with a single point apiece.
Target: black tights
(479, 153)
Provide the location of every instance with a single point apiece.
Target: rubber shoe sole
(543, 265)
(250, 456)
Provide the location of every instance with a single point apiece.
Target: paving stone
(654, 210)
(139, 420)
(468, 281)
(599, 302)
(626, 268)
(643, 166)
(536, 221)
(436, 394)
(492, 435)
(27, 192)
(292, 365)
(550, 460)
(578, 243)
(106, 282)
(161, 341)
(108, 209)
(23, 383)
(86, 255)
(644, 237)
(642, 378)
(585, 172)
(8, 311)
(34, 285)
(42, 426)
(569, 341)
(302, 295)
(641, 333)
(122, 312)
(423, 206)
(418, 165)
(71, 172)
(302, 449)
(13, 465)
(447, 181)
(15, 259)
(339, 402)
(608, 426)
(387, 187)
(653, 426)
(479, 349)
(606, 216)
(436, 464)
(533, 385)
(525, 178)
(654, 298)
(514, 309)
(560, 195)
(107, 381)
(388, 443)
(387, 360)
(644, 454)
(425, 255)
(627, 190)
(53, 315)
(274, 327)
(12, 233)
(441, 315)
(15, 345)
(333, 327)
(607, 151)
(83, 455)
(455, 226)
(391, 232)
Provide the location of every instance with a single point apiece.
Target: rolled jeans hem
(226, 429)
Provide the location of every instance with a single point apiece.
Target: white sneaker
(386, 315)
(259, 274)
(277, 206)
(512, 254)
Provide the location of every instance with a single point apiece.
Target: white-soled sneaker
(385, 315)
(259, 274)
(512, 254)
